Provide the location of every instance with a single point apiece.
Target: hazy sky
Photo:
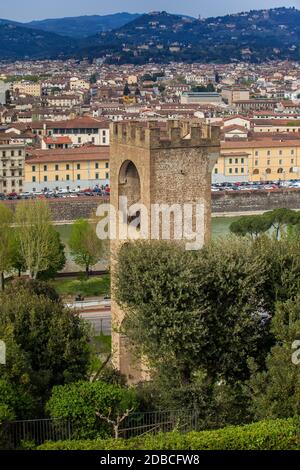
(36, 9)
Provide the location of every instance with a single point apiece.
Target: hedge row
(264, 435)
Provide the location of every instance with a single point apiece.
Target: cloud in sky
(35, 9)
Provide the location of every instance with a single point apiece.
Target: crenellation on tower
(155, 134)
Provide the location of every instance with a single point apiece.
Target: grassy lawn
(92, 287)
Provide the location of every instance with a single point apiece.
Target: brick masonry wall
(246, 201)
(222, 201)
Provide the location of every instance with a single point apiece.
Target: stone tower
(158, 163)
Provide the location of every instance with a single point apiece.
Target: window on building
(256, 163)
(96, 166)
(45, 168)
(68, 177)
(268, 171)
(292, 160)
(67, 167)
(56, 178)
(97, 176)
(12, 153)
(256, 153)
(280, 152)
(33, 168)
(78, 177)
(236, 170)
(56, 167)
(268, 162)
(230, 161)
(280, 170)
(33, 179)
(20, 182)
(216, 171)
(78, 166)
(20, 153)
(236, 161)
(13, 183)
(280, 162)
(269, 153)
(256, 171)
(45, 178)
(242, 160)
(107, 176)
(292, 170)
(292, 152)
(230, 170)
(79, 140)
(106, 165)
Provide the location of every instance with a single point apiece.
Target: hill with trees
(160, 37)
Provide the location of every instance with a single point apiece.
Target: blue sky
(21, 10)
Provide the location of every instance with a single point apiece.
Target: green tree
(79, 402)
(38, 244)
(201, 88)
(52, 340)
(6, 242)
(86, 248)
(280, 219)
(275, 392)
(191, 311)
(253, 225)
(58, 259)
(126, 91)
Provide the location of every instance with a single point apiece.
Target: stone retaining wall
(66, 210)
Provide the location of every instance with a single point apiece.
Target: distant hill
(161, 37)
(83, 26)
(17, 42)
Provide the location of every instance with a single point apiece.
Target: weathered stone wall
(69, 209)
(246, 201)
(222, 202)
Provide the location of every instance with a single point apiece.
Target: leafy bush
(263, 435)
(79, 402)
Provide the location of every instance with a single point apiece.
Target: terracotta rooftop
(93, 153)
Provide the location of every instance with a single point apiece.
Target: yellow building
(258, 160)
(83, 167)
(28, 88)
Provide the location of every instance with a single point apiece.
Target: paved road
(100, 321)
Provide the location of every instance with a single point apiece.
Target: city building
(231, 95)
(258, 160)
(12, 157)
(28, 88)
(81, 131)
(201, 98)
(84, 167)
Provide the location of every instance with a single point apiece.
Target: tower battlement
(170, 134)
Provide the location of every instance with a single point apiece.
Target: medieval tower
(158, 163)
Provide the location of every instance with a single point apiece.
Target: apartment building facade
(12, 158)
(258, 160)
(81, 131)
(74, 168)
(28, 88)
